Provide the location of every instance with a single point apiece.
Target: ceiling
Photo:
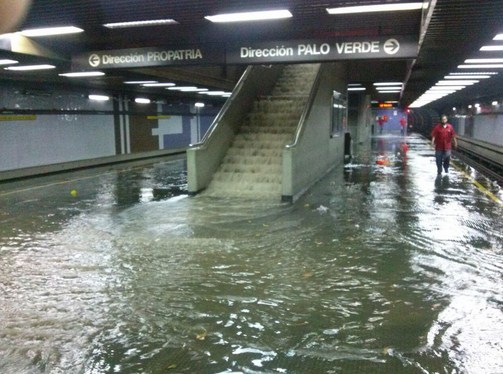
(448, 33)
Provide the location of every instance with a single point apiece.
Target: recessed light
(8, 62)
(155, 22)
(378, 84)
(142, 100)
(492, 48)
(456, 77)
(159, 84)
(213, 93)
(139, 82)
(446, 88)
(99, 97)
(250, 16)
(375, 8)
(484, 61)
(187, 89)
(31, 67)
(82, 74)
(469, 73)
(465, 82)
(50, 31)
(481, 66)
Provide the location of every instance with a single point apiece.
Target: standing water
(380, 268)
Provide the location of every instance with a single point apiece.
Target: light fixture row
(459, 80)
(381, 87)
(138, 100)
(233, 17)
(170, 86)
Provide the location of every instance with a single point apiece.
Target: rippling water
(377, 269)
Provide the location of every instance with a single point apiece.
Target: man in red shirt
(443, 137)
(403, 123)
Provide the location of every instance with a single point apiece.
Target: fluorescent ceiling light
(155, 22)
(492, 48)
(498, 37)
(465, 82)
(356, 88)
(465, 76)
(31, 67)
(142, 100)
(484, 66)
(484, 61)
(199, 105)
(49, 31)
(214, 93)
(379, 84)
(470, 73)
(375, 8)
(99, 97)
(494, 103)
(250, 16)
(139, 82)
(158, 85)
(82, 74)
(388, 88)
(447, 87)
(354, 84)
(8, 62)
(390, 91)
(187, 89)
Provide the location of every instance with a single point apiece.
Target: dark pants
(442, 158)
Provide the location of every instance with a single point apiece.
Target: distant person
(380, 122)
(403, 124)
(443, 137)
(402, 151)
(12, 12)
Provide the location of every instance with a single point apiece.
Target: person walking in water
(443, 137)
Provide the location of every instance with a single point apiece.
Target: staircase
(252, 166)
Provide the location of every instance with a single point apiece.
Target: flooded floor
(382, 267)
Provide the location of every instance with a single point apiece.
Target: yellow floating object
(73, 193)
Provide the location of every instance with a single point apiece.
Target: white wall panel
(55, 138)
(489, 128)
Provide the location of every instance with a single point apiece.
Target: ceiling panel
(456, 29)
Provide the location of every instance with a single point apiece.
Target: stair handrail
(228, 103)
(307, 109)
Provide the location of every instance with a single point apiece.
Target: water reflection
(368, 272)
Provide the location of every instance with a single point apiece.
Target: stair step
(289, 130)
(260, 152)
(251, 168)
(242, 177)
(251, 159)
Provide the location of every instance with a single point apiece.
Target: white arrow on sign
(391, 46)
(94, 60)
